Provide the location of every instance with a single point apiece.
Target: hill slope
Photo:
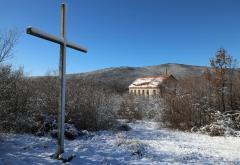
(126, 75)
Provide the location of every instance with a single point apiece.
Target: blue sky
(123, 32)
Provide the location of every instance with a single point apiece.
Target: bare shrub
(213, 130)
(199, 99)
(89, 106)
(46, 94)
(15, 97)
(223, 124)
(190, 106)
(135, 147)
(28, 104)
(150, 107)
(130, 108)
(134, 107)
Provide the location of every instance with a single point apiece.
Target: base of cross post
(56, 155)
(64, 157)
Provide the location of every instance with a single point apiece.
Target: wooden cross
(62, 69)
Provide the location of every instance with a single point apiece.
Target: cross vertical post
(63, 42)
(62, 71)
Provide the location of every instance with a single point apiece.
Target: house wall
(144, 91)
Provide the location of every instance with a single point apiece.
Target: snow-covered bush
(70, 131)
(222, 125)
(89, 106)
(139, 107)
(188, 107)
(210, 101)
(213, 130)
(27, 104)
(135, 147)
(195, 108)
(129, 109)
(149, 107)
(46, 124)
(15, 97)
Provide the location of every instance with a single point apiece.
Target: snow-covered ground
(144, 144)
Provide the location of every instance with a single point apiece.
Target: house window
(138, 92)
(135, 92)
(154, 92)
(143, 92)
(148, 92)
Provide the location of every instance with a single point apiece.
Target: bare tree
(231, 78)
(220, 64)
(7, 42)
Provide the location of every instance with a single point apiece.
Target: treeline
(207, 103)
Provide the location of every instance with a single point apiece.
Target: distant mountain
(125, 75)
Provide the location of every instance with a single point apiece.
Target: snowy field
(144, 144)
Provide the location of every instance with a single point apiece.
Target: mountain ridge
(178, 70)
(123, 76)
(137, 67)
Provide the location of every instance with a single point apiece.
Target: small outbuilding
(152, 85)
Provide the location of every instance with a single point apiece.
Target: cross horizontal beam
(52, 38)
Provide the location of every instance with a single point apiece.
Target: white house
(150, 85)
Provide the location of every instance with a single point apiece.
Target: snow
(148, 81)
(145, 143)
